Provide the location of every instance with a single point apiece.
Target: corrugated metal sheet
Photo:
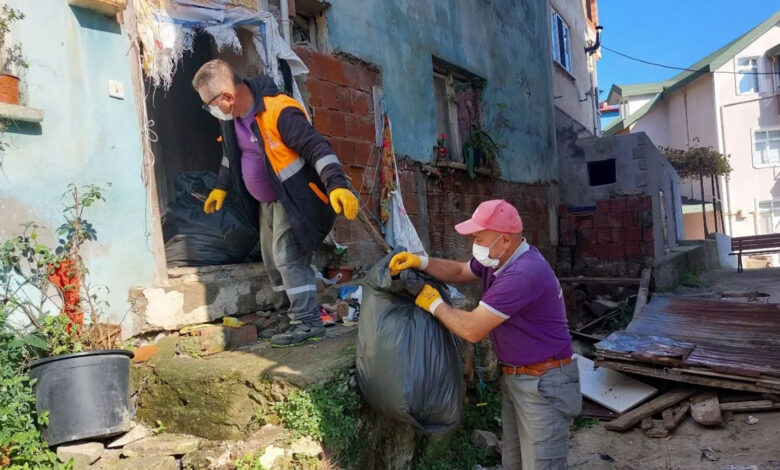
(735, 338)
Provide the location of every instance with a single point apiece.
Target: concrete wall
(569, 88)
(742, 115)
(683, 116)
(86, 137)
(641, 169)
(505, 42)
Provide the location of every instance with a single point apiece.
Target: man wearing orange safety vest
(271, 151)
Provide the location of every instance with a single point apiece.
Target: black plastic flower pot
(86, 394)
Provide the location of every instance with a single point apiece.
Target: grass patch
(327, 413)
(458, 452)
(690, 280)
(581, 422)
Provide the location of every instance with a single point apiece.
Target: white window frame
(556, 36)
(739, 74)
(753, 146)
(774, 204)
(775, 64)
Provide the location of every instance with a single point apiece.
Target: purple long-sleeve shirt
(254, 169)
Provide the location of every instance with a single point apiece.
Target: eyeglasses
(205, 106)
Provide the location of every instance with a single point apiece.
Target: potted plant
(12, 60)
(81, 380)
(441, 150)
(337, 259)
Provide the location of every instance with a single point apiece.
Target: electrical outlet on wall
(116, 89)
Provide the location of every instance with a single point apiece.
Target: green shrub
(21, 444)
(326, 413)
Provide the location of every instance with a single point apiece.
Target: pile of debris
(723, 355)
(660, 416)
(144, 448)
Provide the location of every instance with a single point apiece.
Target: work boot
(298, 333)
(269, 321)
(282, 324)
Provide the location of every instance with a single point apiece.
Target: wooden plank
(692, 370)
(610, 388)
(682, 412)
(647, 424)
(705, 409)
(634, 368)
(668, 418)
(628, 420)
(644, 287)
(600, 319)
(757, 405)
(579, 334)
(623, 281)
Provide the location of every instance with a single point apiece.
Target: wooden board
(668, 417)
(644, 288)
(661, 373)
(611, 389)
(628, 420)
(756, 405)
(705, 409)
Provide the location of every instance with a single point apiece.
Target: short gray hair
(214, 76)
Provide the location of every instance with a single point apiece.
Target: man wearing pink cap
(522, 308)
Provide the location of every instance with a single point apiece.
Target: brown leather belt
(535, 369)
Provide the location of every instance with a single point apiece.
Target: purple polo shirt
(253, 166)
(526, 293)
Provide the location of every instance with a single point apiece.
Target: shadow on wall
(93, 20)
(24, 128)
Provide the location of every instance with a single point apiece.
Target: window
(602, 172)
(457, 106)
(561, 49)
(766, 148)
(747, 78)
(769, 217)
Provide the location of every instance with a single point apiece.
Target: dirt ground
(736, 444)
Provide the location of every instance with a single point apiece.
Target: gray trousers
(536, 415)
(288, 266)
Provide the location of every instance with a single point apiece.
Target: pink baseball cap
(496, 215)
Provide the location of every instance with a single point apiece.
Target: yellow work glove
(428, 299)
(406, 260)
(342, 198)
(214, 201)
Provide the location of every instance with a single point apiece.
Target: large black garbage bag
(409, 365)
(194, 238)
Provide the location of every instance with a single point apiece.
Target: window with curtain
(747, 75)
(769, 217)
(561, 47)
(766, 148)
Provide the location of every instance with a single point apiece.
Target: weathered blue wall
(503, 41)
(86, 137)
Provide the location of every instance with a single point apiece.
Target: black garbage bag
(194, 238)
(409, 365)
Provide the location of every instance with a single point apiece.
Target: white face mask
(217, 113)
(482, 254)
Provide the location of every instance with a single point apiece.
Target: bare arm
(450, 271)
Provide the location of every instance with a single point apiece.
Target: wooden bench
(754, 245)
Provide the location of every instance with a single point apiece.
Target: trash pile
(409, 366)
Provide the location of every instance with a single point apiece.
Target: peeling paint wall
(505, 42)
(86, 137)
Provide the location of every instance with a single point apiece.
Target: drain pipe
(285, 13)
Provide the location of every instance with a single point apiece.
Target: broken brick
(243, 336)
